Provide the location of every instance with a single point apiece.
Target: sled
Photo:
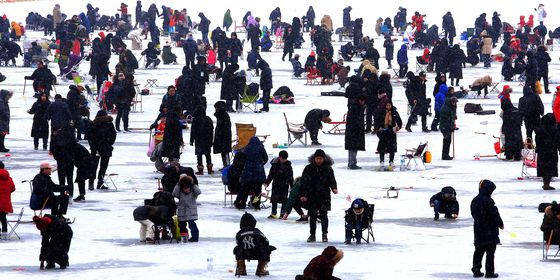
(332, 93)
(337, 128)
(485, 112)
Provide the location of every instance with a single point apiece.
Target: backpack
(472, 108)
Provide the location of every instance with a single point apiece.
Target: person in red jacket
(556, 105)
(7, 187)
(321, 267)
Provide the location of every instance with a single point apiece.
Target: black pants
(321, 214)
(529, 129)
(122, 113)
(225, 159)
(480, 88)
(266, 98)
(370, 113)
(446, 143)
(435, 122)
(4, 221)
(403, 68)
(66, 174)
(391, 157)
(479, 252)
(544, 76)
(274, 209)
(190, 61)
(246, 189)
(289, 55)
(58, 204)
(82, 186)
(313, 133)
(412, 117)
(199, 158)
(36, 142)
(104, 160)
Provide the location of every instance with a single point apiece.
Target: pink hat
(46, 165)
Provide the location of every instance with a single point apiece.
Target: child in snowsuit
(187, 193)
(445, 202)
(283, 176)
(251, 245)
(57, 236)
(357, 218)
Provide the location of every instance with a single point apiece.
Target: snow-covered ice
(409, 244)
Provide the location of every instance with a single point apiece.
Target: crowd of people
(370, 106)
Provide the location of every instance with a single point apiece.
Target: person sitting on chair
(152, 54)
(252, 244)
(55, 244)
(357, 218)
(445, 202)
(482, 83)
(43, 193)
(551, 224)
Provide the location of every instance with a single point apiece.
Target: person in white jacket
(541, 13)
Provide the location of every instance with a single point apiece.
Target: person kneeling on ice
(187, 193)
(57, 236)
(551, 223)
(445, 202)
(251, 245)
(357, 218)
(147, 216)
(322, 266)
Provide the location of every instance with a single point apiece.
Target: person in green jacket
(294, 202)
(447, 116)
(227, 20)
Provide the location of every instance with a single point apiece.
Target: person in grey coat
(4, 117)
(187, 193)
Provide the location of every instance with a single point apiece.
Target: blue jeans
(358, 232)
(436, 206)
(192, 227)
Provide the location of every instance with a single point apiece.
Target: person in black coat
(387, 123)
(44, 188)
(346, 19)
(202, 137)
(313, 121)
(543, 58)
(122, 91)
(172, 137)
(253, 174)
(84, 169)
(358, 34)
(185, 91)
(417, 88)
(55, 243)
(507, 69)
(440, 56)
(138, 14)
(447, 117)
(317, 182)
(58, 113)
(191, 50)
(445, 202)
(354, 136)
(532, 70)
(173, 101)
(531, 108)
(448, 24)
(457, 59)
(42, 77)
(282, 177)
(511, 128)
(289, 38)
(222, 134)
(547, 147)
(200, 78)
(253, 34)
(389, 46)
(252, 244)
(171, 173)
(204, 27)
(519, 65)
(61, 140)
(101, 138)
(357, 218)
(151, 54)
(77, 104)
(235, 47)
(310, 15)
(229, 87)
(265, 83)
(487, 220)
(496, 28)
(40, 127)
(234, 172)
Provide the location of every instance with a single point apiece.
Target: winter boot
(200, 169)
(90, 187)
(425, 129)
(79, 198)
(261, 269)
(477, 273)
(325, 239)
(50, 265)
(2, 147)
(184, 237)
(311, 238)
(491, 275)
(241, 270)
(209, 167)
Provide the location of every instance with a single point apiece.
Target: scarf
(388, 118)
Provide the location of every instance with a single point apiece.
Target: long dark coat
(5, 111)
(256, 158)
(172, 137)
(40, 127)
(486, 216)
(531, 107)
(317, 183)
(222, 134)
(202, 132)
(511, 127)
(84, 163)
(55, 242)
(229, 88)
(547, 140)
(282, 177)
(456, 59)
(387, 136)
(102, 136)
(354, 136)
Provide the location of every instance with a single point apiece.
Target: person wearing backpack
(445, 202)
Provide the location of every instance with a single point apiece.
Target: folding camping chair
(416, 154)
(246, 131)
(395, 74)
(494, 87)
(369, 228)
(226, 194)
(296, 131)
(421, 65)
(13, 224)
(550, 238)
(151, 83)
(528, 158)
(249, 99)
(110, 180)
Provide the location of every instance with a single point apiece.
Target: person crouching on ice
(445, 202)
(357, 218)
(251, 245)
(57, 236)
